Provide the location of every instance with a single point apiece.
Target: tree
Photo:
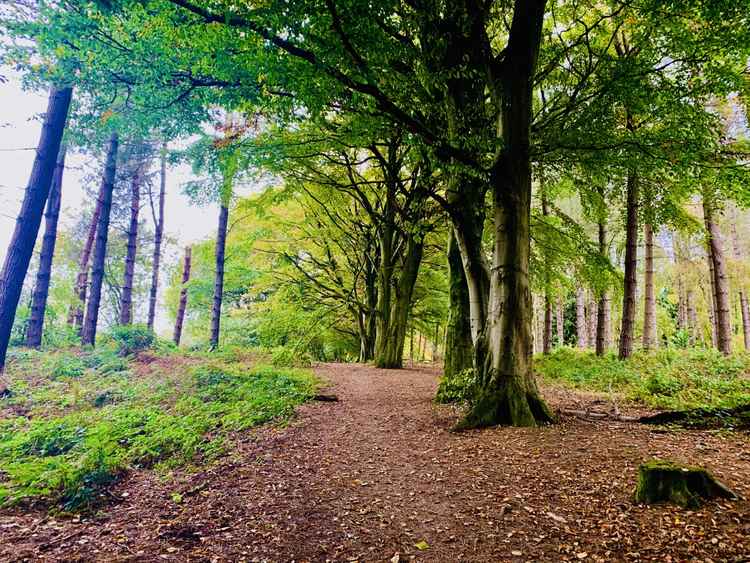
(29, 219)
(649, 296)
(100, 249)
(158, 234)
(126, 304)
(182, 306)
(44, 274)
(720, 279)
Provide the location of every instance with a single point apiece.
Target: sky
(20, 126)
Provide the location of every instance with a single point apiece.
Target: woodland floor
(379, 472)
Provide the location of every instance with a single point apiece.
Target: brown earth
(379, 476)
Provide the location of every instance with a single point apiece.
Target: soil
(379, 476)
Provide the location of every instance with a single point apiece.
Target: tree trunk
(126, 302)
(44, 274)
(459, 350)
(560, 318)
(744, 307)
(158, 233)
(221, 240)
(721, 280)
(602, 308)
(581, 331)
(649, 309)
(21, 245)
(591, 319)
(505, 390)
(712, 298)
(547, 334)
(182, 306)
(391, 353)
(631, 266)
(692, 317)
(75, 316)
(100, 247)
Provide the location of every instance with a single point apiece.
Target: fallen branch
(326, 398)
(598, 415)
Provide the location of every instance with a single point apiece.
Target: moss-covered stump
(666, 481)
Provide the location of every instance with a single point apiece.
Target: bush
(132, 338)
(290, 357)
(456, 389)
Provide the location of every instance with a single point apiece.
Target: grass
(666, 379)
(90, 416)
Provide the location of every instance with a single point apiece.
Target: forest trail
(378, 476)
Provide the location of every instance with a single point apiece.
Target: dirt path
(378, 473)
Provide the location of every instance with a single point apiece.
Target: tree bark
(391, 353)
(603, 306)
(221, 240)
(506, 391)
(692, 317)
(158, 234)
(591, 319)
(649, 309)
(182, 306)
(21, 245)
(75, 316)
(126, 302)
(744, 306)
(631, 266)
(712, 298)
(547, 334)
(721, 280)
(560, 318)
(100, 247)
(581, 331)
(459, 350)
(44, 274)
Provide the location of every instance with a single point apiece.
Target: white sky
(20, 128)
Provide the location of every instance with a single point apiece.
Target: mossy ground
(78, 420)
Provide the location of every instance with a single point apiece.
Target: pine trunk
(75, 316)
(649, 309)
(182, 306)
(221, 240)
(158, 234)
(100, 246)
(459, 349)
(581, 331)
(721, 280)
(44, 274)
(631, 267)
(126, 303)
(21, 245)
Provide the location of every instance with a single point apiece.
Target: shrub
(290, 357)
(456, 389)
(66, 365)
(132, 338)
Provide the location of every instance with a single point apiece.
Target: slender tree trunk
(744, 307)
(712, 298)
(721, 280)
(591, 319)
(221, 240)
(44, 274)
(547, 335)
(182, 306)
(681, 309)
(126, 302)
(692, 317)
(459, 350)
(560, 318)
(649, 309)
(75, 316)
(158, 233)
(631, 266)
(21, 245)
(100, 247)
(602, 306)
(581, 331)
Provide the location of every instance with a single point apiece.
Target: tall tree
(742, 288)
(631, 267)
(649, 296)
(126, 302)
(29, 219)
(75, 316)
(221, 240)
(458, 346)
(158, 233)
(100, 249)
(603, 305)
(44, 273)
(182, 306)
(581, 332)
(720, 278)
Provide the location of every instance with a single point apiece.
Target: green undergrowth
(87, 417)
(664, 379)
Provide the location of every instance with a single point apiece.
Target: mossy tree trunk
(665, 481)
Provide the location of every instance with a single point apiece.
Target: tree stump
(666, 481)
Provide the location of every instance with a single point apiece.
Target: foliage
(68, 453)
(670, 379)
(457, 389)
(132, 338)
